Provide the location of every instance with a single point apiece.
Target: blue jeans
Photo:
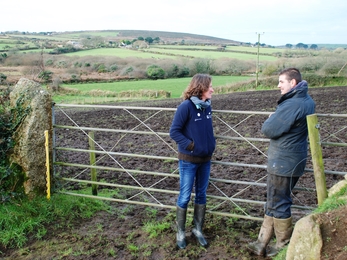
(191, 173)
(279, 201)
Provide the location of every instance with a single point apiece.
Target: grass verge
(29, 218)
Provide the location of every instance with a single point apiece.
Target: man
(287, 153)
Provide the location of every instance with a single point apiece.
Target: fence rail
(114, 167)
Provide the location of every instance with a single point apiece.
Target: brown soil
(334, 234)
(120, 234)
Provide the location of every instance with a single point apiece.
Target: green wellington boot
(181, 215)
(199, 218)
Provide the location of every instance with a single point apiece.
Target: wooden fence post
(92, 162)
(317, 157)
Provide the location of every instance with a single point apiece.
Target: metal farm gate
(124, 154)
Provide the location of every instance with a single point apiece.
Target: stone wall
(29, 151)
(306, 241)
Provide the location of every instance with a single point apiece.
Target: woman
(192, 130)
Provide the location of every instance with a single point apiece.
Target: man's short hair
(292, 73)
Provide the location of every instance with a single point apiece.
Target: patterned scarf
(199, 103)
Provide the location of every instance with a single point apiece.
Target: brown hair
(292, 73)
(197, 86)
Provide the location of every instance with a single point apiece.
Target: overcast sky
(277, 22)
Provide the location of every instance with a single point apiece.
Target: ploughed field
(139, 151)
(144, 132)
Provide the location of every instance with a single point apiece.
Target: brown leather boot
(283, 231)
(264, 237)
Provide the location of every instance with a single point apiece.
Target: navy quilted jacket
(287, 130)
(193, 125)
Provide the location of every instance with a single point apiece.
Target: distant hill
(175, 37)
(331, 46)
(167, 37)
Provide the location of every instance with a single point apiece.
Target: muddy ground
(121, 234)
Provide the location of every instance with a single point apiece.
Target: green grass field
(2, 45)
(184, 47)
(36, 50)
(30, 37)
(254, 49)
(228, 48)
(161, 53)
(211, 54)
(66, 36)
(175, 86)
(119, 52)
(83, 34)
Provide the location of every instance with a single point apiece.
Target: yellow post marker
(48, 175)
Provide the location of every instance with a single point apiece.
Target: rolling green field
(119, 52)
(36, 50)
(211, 54)
(254, 49)
(84, 34)
(57, 37)
(2, 45)
(66, 36)
(161, 53)
(175, 86)
(184, 47)
(228, 48)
